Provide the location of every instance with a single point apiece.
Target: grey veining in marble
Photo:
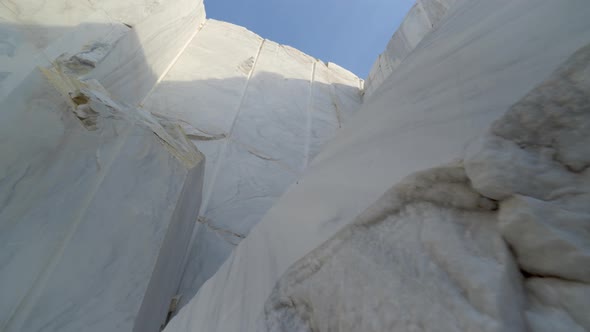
(423, 17)
(97, 204)
(255, 108)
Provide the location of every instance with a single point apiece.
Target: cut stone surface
(430, 253)
(99, 212)
(260, 112)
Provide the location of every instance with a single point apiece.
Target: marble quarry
(160, 170)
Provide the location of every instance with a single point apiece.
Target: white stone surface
(435, 254)
(45, 21)
(463, 76)
(426, 256)
(96, 209)
(98, 200)
(274, 123)
(133, 12)
(144, 55)
(28, 43)
(210, 77)
(17, 53)
(535, 159)
(422, 18)
(154, 54)
(260, 112)
(59, 180)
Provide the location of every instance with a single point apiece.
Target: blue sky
(350, 33)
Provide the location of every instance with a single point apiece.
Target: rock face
(433, 252)
(426, 256)
(107, 139)
(100, 202)
(423, 17)
(260, 112)
(535, 161)
(110, 218)
(97, 197)
(463, 75)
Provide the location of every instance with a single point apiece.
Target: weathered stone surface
(426, 257)
(430, 254)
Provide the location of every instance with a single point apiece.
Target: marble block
(463, 76)
(97, 204)
(142, 57)
(240, 197)
(422, 18)
(273, 116)
(46, 20)
(205, 86)
(259, 114)
(325, 116)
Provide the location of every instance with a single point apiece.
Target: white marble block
(423, 18)
(260, 112)
(97, 205)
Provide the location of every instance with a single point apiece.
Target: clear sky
(351, 33)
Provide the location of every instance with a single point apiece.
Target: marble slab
(273, 116)
(241, 195)
(422, 18)
(347, 89)
(131, 12)
(205, 86)
(218, 245)
(18, 54)
(30, 43)
(254, 107)
(96, 209)
(325, 116)
(226, 88)
(335, 97)
(144, 55)
(245, 188)
(46, 20)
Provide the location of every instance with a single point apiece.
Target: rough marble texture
(96, 209)
(436, 251)
(464, 75)
(535, 160)
(131, 282)
(426, 256)
(260, 112)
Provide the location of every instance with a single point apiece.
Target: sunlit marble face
(259, 111)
